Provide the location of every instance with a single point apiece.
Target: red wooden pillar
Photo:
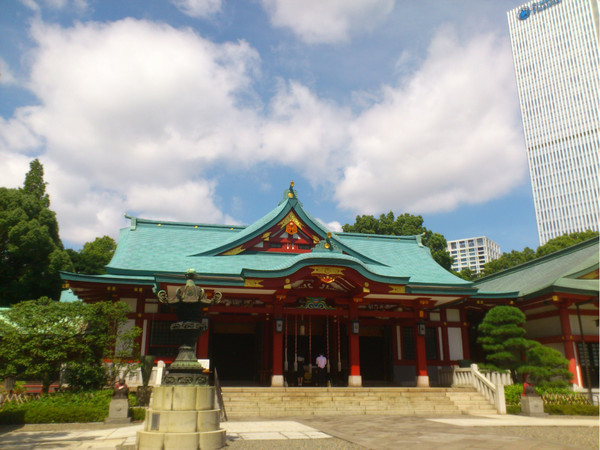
(202, 345)
(421, 354)
(277, 374)
(354, 378)
(139, 322)
(568, 342)
(464, 328)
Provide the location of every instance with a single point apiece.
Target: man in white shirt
(321, 369)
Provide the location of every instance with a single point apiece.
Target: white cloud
(126, 102)
(199, 9)
(327, 21)
(334, 226)
(447, 135)
(6, 75)
(134, 115)
(305, 131)
(13, 168)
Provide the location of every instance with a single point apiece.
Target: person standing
(300, 371)
(322, 370)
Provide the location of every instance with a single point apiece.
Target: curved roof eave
(309, 259)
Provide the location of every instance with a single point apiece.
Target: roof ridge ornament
(327, 245)
(290, 193)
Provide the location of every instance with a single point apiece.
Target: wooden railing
(489, 384)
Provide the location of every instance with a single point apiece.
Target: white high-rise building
(472, 253)
(556, 56)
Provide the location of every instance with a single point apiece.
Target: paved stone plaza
(340, 432)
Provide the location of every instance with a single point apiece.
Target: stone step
(274, 402)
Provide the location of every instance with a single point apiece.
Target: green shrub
(550, 395)
(132, 399)
(572, 410)
(137, 414)
(58, 408)
(512, 394)
(513, 409)
(82, 375)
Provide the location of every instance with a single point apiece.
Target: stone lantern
(187, 303)
(182, 413)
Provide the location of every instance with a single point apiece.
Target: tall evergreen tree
(31, 252)
(34, 182)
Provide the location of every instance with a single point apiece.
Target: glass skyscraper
(555, 50)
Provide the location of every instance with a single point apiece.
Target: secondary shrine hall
(379, 308)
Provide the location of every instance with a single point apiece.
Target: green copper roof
(557, 271)
(149, 248)
(67, 296)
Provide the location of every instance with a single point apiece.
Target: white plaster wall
(127, 326)
(453, 315)
(588, 323)
(131, 303)
(434, 316)
(548, 326)
(455, 343)
(558, 346)
(151, 308)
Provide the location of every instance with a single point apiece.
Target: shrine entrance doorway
(234, 352)
(376, 355)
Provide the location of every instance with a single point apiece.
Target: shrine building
(378, 307)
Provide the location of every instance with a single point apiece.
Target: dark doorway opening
(234, 353)
(376, 355)
(474, 318)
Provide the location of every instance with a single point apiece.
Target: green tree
(94, 256)
(34, 182)
(564, 241)
(403, 225)
(515, 257)
(38, 336)
(31, 252)
(508, 260)
(502, 338)
(106, 338)
(467, 274)
(545, 366)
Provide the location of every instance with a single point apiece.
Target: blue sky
(205, 110)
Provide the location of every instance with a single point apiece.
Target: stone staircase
(279, 402)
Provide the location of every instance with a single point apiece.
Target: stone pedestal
(354, 381)
(532, 405)
(118, 411)
(422, 381)
(182, 418)
(277, 381)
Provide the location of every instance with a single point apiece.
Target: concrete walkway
(340, 432)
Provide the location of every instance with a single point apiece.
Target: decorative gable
(289, 235)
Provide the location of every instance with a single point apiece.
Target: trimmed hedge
(572, 410)
(63, 408)
(550, 395)
(513, 409)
